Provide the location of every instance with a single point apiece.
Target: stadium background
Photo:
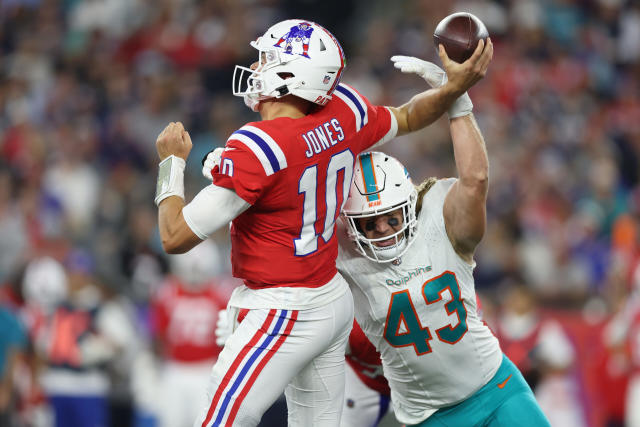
(86, 86)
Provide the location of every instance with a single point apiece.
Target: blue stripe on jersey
(384, 407)
(346, 92)
(369, 177)
(248, 365)
(263, 146)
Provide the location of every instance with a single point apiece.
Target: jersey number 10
(307, 243)
(401, 311)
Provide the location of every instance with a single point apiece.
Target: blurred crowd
(90, 302)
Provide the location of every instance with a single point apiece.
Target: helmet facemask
(381, 185)
(265, 82)
(403, 237)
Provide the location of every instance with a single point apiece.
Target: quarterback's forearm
(424, 108)
(176, 235)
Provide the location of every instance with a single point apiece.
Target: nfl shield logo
(326, 79)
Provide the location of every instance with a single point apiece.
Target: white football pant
(300, 352)
(181, 392)
(363, 406)
(632, 416)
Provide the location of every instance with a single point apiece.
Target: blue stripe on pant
(384, 406)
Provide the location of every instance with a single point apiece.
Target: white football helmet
(380, 185)
(295, 57)
(45, 283)
(198, 266)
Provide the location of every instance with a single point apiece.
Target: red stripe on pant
(263, 362)
(234, 366)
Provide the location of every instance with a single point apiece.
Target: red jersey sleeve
(375, 123)
(365, 361)
(249, 162)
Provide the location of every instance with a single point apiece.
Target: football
(459, 33)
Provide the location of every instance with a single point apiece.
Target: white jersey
(422, 317)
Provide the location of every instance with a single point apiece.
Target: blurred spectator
(622, 338)
(543, 353)
(632, 347)
(185, 312)
(558, 391)
(524, 334)
(13, 234)
(81, 337)
(71, 181)
(44, 287)
(13, 341)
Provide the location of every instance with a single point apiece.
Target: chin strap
(251, 102)
(391, 252)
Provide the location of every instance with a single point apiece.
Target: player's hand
(430, 72)
(211, 160)
(223, 328)
(174, 140)
(435, 77)
(462, 76)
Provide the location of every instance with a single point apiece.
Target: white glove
(223, 328)
(210, 161)
(435, 77)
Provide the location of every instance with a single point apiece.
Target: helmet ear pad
(381, 184)
(297, 58)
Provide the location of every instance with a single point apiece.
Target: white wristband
(461, 106)
(170, 178)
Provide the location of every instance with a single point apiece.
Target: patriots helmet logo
(296, 40)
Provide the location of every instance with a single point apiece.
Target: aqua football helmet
(295, 57)
(380, 185)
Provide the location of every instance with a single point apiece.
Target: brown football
(459, 33)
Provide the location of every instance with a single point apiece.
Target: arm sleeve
(212, 208)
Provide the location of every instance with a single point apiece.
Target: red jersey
(185, 321)
(521, 350)
(365, 361)
(632, 343)
(296, 175)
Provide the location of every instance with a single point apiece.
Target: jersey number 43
(402, 316)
